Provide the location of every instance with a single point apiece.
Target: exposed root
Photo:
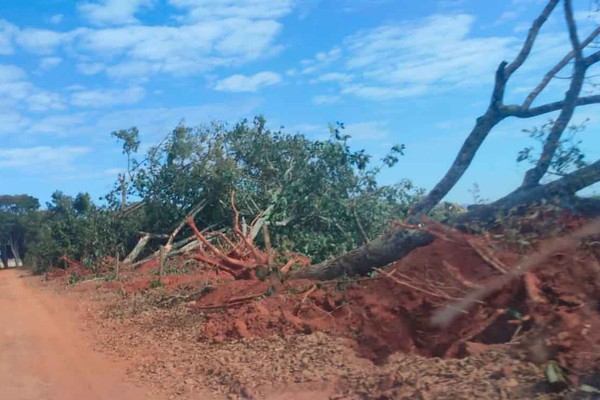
(438, 294)
(237, 254)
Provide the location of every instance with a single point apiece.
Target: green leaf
(554, 373)
(589, 389)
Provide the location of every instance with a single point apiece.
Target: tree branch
(531, 36)
(535, 174)
(485, 123)
(593, 58)
(521, 112)
(575, 181)
(572, 27)
(551, 74)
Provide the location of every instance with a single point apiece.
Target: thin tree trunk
(4, 250)
(15, 250)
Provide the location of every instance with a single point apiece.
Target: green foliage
(74, 278)
(569, 155)
(18, 204)
(156, 283)
(446, 211)
(476, 194)
(129, 138)
(318, 197)
(75, 227)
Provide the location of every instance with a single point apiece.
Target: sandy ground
(44, 355)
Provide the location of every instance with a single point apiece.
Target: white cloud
(113, 12)
(41, 100)
(587, 17)
(56, 19)
(154, 123)
(47, 63)
(11, 73)
(12, 122)
(41, 41)
(17, 91)
(325, 99)
(367, 130)
(92, 68)
(107, 97)
(208, 34)
(321, 60)
(201, 10)
(332, 77)
(59, 125)
(7, 33)
(252, 83)
(41, 158)
(407, 59)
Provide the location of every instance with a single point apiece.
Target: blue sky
(395, 71)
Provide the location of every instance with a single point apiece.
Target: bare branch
(531, 36)
(594, 58)
(577, 180)
(521, 112)
(535, 174)
(485, 123)
(573, 37)
(552, 73)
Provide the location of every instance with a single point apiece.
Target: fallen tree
(399, 242)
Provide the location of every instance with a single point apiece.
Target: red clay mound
(555, 315)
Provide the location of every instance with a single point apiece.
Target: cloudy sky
(394, 71)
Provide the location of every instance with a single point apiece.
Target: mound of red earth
(552, 313)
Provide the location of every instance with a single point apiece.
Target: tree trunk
(362, 260)
(15, 251)
(139, 247)
(397, 244)
(4, 254)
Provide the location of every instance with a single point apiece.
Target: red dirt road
(44, 355)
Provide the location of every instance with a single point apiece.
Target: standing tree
(131, 143)
(13, 210)
(398, 243)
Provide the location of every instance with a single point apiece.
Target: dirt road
(44, 355)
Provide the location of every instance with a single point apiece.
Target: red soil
(552, 313)
(556, 317)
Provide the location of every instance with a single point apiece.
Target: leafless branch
(531, 36)
(552, 73)
(521, 112)
(494, 114)
(535, 174)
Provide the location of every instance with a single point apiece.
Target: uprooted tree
(399, 242)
